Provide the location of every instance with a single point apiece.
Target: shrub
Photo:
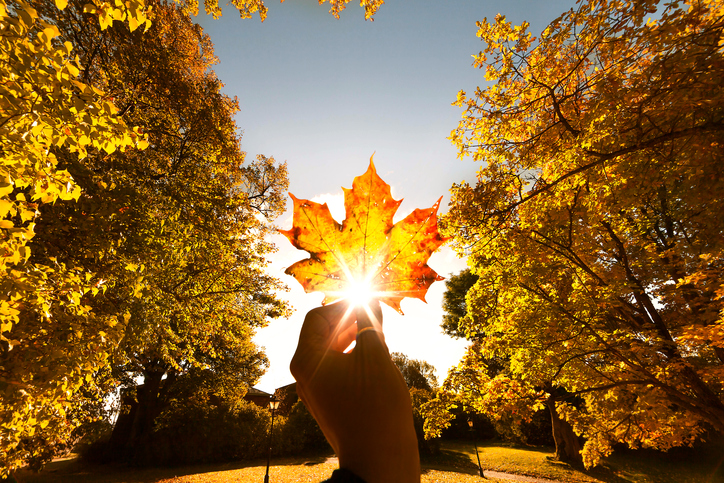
(301, 433)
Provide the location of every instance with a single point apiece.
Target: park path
(510, 476)
(492, 474)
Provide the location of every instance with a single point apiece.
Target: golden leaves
(367, 248)
(44, 106)
(247, 8)
(597, 142)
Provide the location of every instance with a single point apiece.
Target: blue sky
(323, 94)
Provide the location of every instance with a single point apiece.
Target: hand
(359, 399)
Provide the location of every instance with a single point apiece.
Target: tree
(169, 242)
(508, 400)
(453, 301)
(52, 340)
(177, 232)
(422, 383)
(596, 223)
(45, 107)
(301, 433)
(417, 374)
(479, 375)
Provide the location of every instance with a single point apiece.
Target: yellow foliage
(595, 223)
(247, 8)
(44, 107)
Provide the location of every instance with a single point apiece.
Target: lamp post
(480, 468)
(273, 405)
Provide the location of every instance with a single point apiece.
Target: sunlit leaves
(595, 223)
(247, 8)
(367, 247)
(46, 106)
(176, 233)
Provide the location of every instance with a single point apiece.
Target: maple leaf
(367, 249)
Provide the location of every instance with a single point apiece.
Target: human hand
(359, 399)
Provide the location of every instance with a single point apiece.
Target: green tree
(422, 382)
(453, 301)
(595, 225)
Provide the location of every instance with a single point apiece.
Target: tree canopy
(418, 374)
(150, 242)
(595, 224)
(46, 107)
(155, 269)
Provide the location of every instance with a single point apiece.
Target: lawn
(635, 466)
(286, 470)
(456, 463)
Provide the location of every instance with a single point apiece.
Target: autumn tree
(177, 232)
(52, 103)
(46, 106)
(481, 384)
(160, 258)
(595, 225)
(420, 378)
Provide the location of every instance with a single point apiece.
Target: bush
(205, 433)
(301, 433)
(196, 432)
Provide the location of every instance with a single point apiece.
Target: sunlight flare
(359, 293)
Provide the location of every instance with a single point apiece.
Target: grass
(456, 463)
(285, 470)
(625, 467)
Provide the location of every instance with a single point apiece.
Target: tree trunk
(568, 446)
(139, 408)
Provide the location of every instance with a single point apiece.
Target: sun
(359, 293)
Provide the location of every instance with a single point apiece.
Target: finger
(369, 326)
(323, 325)
(346, 337)
(320, 336)
(369, 316)
(343, 328)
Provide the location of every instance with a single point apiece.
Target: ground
(456, 463)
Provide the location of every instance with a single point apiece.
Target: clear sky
(323, 94)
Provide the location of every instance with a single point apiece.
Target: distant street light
(480, 468)
(273, 405)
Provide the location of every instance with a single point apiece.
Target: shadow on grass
(449, 460)
(73, 469)
(681, 465)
